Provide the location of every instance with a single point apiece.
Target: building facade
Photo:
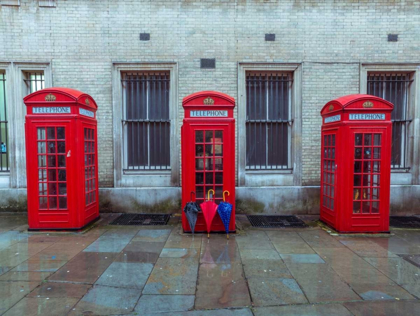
(280, 60)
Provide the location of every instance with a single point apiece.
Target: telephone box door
(212, 170)
(329, 178)
(51, 142)
(369, 162)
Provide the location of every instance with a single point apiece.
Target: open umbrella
(191, 210)
(225, 211)
(209, 209)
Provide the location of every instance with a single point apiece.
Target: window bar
(3, 121)
(138, 116)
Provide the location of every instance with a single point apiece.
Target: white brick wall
(330, 38)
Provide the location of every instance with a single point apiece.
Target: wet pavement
(140, 270)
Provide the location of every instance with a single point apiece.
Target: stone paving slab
(173, 276)
(109, 244)
(366, 248)
(176, 240)
(12, 292)
(86, 267)
(220, 286)
(301, 258)
(105, 300)
(321, 283)
(219, 250)
(40, 265)
(275, 291)
(141, 246)
(303, 310)
(381, 291)
(126, 275)
(257, 240)
(179, 253)
(137, 257)
(217, 312)
(60, 289)
(150, 304)
(249, 254)
(265, 269)
(152, 235)
(28, 276)
(42, 306)
(386, 308)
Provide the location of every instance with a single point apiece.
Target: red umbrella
(209, 209)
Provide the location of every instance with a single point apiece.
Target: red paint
(212, 137)
(356, 164)
(61, 159)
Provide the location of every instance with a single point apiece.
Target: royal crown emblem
(208, 101)
(87, 101)
(50, 97)
(331, 107)
(368, 104)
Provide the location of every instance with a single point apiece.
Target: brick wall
(330, 38)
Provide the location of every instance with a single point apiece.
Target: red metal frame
(356, 163)
(62, 165)
(208, 154)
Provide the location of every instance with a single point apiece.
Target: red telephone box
(208, 153)
(61, 159)
(356, 163)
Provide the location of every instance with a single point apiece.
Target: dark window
(268, 120)
(34, 81)
(4, 149)
(394, 87)
(146, 120)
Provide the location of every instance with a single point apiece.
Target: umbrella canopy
(191, 210)
(225, 211)
(209, 209)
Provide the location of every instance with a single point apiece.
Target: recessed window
(394, 87)
(34, 81)
(4, 143)
(268, 120)
(146, 120)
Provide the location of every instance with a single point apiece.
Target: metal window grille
(4, 153)
(146, 122)
(34, 81)
(394, 87)
(268, 120)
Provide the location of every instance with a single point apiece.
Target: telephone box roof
(66, 95)
(348, 100)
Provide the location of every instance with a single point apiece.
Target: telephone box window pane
(52, 188)
(357, 167)
(52, 203)
(41, 133)
(62, 201)
(50, 132)
(219, 177)
(218, 150)
(52, 175)
(209, 136)
(42, 175)
(41, 148)
(51, 147)
(375, 207)
(209, 178)
(209, 150)
(42, 161)
(199, 136)
(62, 175)
(62, 188)
(376, 153)
(199, 178)
(61, 161)
(356, 207)
(218, 164)
(199, 164)
(199, 190)
(377, 140)
(60, 133)
(207, 192)
(368, 140)
(43, 203)
(357, 180)
(61, 147)
(358, 140)
(219, 136)
(366, 207)
(199, 150)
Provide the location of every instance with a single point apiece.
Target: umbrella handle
(191, 195)
(208, 194)
(228, 193)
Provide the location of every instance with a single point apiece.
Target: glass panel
(61, 160)
(358, 139)
(356, 207)
(42, 202)
(207, 190)
(366, 166)
(209, 178)
(52, 175)
(358, 153)
(50, 132)
(199, 150)
(376, 166)
(62, 201)
(199, 191)
(41, 133)
(41, 148)
(51, 147)
(376, 153)
(42, 174)
(367, 153)
(375, 193)
(333, 140)
(368, 140)
(52, 202)
(209, 164)
(52, 188)
(219, 191)
(199, 136)
(218, 164)
(376, 180)
(366, 207)
(61, 147)
(42, 161)
(356, 194)
(377, 139)
(62, 188)
(62, 175)
(52, 161)
(199, 178)
(218, 136)
(209, 136)
(199, 164)
(209, 150)
(218, 150)
(375, 207)
(60, 133)
(219, 177)
(357, 167)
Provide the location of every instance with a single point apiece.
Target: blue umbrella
(225, 211)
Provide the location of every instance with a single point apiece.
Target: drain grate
(141, 219)
(275, 221)
(404, 221)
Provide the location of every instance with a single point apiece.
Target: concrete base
(405, 200)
